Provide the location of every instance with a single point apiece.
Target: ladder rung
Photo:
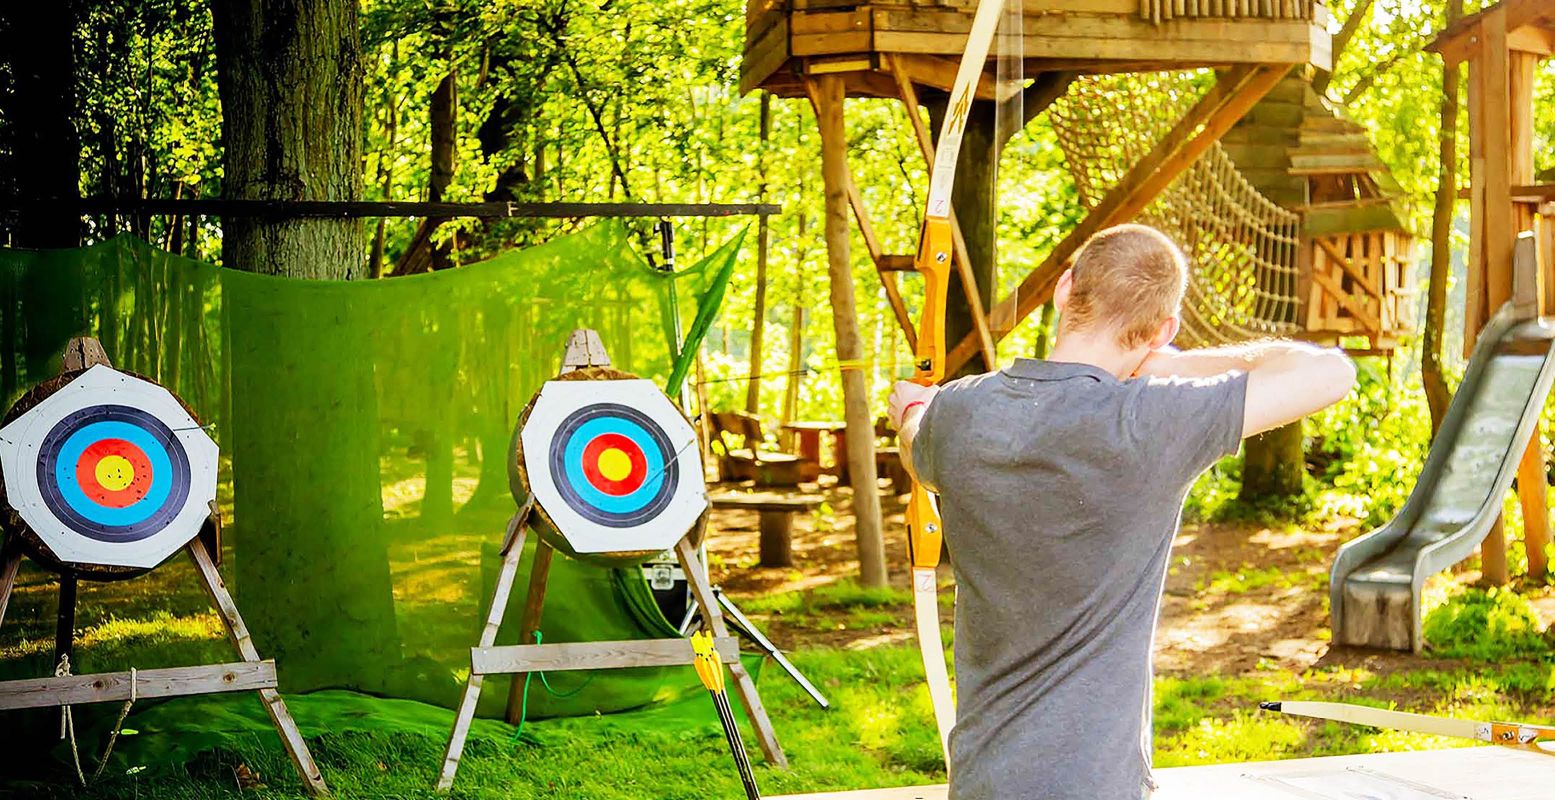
(894, 263)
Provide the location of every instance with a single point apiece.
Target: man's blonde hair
(1128, 279)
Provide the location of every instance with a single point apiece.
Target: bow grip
(933, 262)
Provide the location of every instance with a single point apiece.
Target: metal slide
(1376, 579)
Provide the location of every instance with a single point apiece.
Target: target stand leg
(10, 564)
(702, 589)
(506, 575)
(237, 631)
(534, 606)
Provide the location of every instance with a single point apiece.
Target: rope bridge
(1242, 248)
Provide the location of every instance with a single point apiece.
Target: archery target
(109, 471)
(614, 465)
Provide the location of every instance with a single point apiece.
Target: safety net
(364, 428)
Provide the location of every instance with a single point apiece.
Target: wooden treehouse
(1502, 48)
(829, 50)
(1353, 265)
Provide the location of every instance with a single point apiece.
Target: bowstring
(1009, 49)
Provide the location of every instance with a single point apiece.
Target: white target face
(110, 470)
(614, 465)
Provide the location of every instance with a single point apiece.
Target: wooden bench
(776, 523)
(748, 460)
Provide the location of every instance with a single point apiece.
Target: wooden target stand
(584, 350)
(250, 674)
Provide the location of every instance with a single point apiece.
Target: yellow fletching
(709, 667)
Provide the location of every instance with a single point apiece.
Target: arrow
(1506, 734)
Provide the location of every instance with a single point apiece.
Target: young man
(1061, 484)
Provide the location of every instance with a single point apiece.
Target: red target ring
(114, 473)
(614, 464)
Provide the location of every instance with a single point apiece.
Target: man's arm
(1285, 380)
(907, 403)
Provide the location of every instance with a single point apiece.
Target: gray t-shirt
(1061, 490)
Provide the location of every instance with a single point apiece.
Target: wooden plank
(1358, 310)
(275, 707)
(851, 20)
(1339, 260)
(1233, 94)
(765, 57)
(564, 656)
(1533, 494)
(1482, 772)
(744, 685)
(827, 44)
(10, 564)
(529, 620)
(1499, 236)
(507, 573)
(148, 684)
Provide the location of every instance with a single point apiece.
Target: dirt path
(1239, 597)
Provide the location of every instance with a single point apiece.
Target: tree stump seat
(776, 521)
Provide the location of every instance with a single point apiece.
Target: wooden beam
(1496, 115)
(1533, 494)
(519, 658)
(1349, 268)
(1356, 308)
(866, 229)
(1237, 91)
(147, 684)
(962, 261)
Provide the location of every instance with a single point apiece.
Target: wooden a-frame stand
(250, 674)
(486, 658)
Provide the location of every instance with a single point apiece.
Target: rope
(1241, 246)
(523, 707)
(67, 723)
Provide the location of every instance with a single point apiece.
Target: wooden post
(777, 538)
(759, 313)
(9, 566)
(744, 686)
(529, 622)
(1532, 493)
(237, 632)
(506, 574)
(65, 620)
(850, 346)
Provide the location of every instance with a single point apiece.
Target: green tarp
(364, 428)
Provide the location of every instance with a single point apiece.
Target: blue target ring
(143, 444)
(613, 465)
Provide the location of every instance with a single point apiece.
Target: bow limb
(924, 535)
(1506, 734)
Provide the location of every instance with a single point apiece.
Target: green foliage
(1486, 625)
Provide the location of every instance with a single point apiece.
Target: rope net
(1241, 247)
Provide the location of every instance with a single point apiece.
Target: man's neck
(1101, 351)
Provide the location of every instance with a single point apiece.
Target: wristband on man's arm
(910, 407)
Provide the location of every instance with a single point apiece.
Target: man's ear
(1062, 291)
(1166, 333)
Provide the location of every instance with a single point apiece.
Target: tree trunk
(1436, 393)
(1273, 464)
(38, 159)
(759, 315)
(312, 569)
(850, 346)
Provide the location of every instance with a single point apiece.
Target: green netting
(364, 428)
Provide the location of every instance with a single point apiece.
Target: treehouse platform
(787, 41)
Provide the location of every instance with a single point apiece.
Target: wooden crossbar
(1226, 102)
(146, 684)
(592, 655)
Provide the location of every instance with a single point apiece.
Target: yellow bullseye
(615, 464)
(115, 473)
